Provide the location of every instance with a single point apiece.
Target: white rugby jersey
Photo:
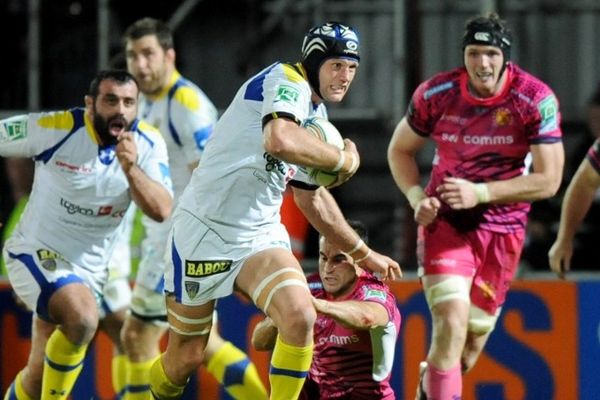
(185, 117)
(238, 187)
(80, 193)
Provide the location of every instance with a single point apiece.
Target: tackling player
(355, 334)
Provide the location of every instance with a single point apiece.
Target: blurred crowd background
(52, 48)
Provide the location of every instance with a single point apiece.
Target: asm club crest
(502, 117)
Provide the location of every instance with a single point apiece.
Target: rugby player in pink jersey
(576, 204)
(498, 147)
(355, 332)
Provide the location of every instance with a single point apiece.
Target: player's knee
(80, 328)
(190, 354)
(298, 319)
(450, 332)
(130, 337)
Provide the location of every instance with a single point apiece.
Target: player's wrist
(364, 257)
(359, 245)
(414, 195)
(353, 163)
(341, 161)
(482, 192)
(347, 163)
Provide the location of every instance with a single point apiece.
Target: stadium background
(548, 339)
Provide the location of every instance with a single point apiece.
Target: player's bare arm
(402, 152)
(541, 183)
(323, 212)
(288, 141)
(353, 314)
(576, 203)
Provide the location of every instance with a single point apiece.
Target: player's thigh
(41, 276)
(189, 325)
(273, 278)
(500, 259)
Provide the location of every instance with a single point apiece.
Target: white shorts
(36, 273)
(119, 265)
(116, 296)
(117, 291)
(149, 306)
(203, 266)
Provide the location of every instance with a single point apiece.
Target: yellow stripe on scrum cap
(60, 120)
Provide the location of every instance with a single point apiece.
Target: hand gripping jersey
(484, 139)
(355, 362)
(80, 193)
(237, 190)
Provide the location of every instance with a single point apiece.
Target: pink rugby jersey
(484, 139)
(351, 363)
(593, 155)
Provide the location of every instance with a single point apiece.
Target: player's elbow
(368, 320)
(550, 188)
(162, 215)
(277, 145)
(551, 191)
(162, 211)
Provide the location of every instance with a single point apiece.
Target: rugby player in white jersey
(185, 116)
(90, 163)
(116, 293)
(226, 227)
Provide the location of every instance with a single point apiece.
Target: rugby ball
(324, 130)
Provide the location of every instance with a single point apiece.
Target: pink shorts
(491, 258)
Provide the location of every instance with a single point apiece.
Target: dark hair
(359, 228)
(150, 26)
(488, 30)
(118, 75)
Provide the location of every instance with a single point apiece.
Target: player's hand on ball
(351, 164)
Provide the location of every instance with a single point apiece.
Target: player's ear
(170, 54)
(89, 102)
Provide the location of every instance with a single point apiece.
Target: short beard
(101, 125)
